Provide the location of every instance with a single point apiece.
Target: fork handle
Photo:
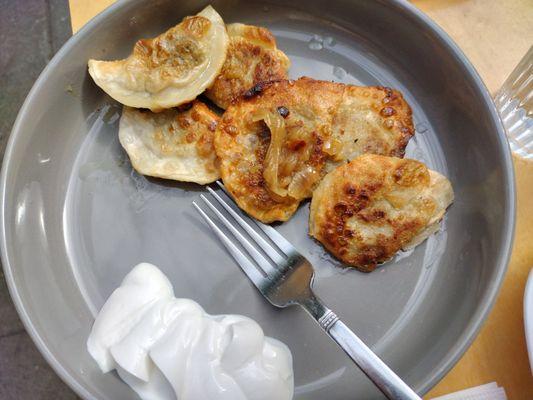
(383, 377)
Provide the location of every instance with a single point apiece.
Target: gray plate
(76, 218)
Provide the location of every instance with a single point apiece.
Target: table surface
(494, 34)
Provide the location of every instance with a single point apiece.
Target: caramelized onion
(286, 173)
(303, 182)
(276, 125)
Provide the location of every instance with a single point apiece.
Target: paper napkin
(490, 391)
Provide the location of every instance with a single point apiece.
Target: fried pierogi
(174, 144)
(365, 211)
(169, 70)
(277, 142)
(252, 57)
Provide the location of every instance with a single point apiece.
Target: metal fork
(285, 278)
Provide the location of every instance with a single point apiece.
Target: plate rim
(486, 303)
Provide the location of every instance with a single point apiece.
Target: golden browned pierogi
(277, 142)
(365, 211)
(252, 57)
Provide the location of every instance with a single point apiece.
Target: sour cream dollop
(169, 348)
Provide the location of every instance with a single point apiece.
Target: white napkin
(490, 391)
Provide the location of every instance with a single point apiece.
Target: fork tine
(267, 248)
(283, 244)
(221, 186)
(263, 263)
(246, 265)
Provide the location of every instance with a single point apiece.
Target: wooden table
(494, 34)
